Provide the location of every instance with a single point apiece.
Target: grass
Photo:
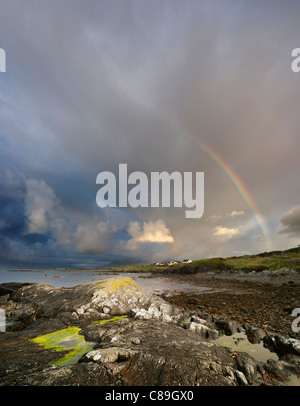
(139, 268)
(267, 260)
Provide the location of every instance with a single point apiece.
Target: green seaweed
(69, 339)
(113, 320)
(64, 340)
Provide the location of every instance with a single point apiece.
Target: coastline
(248, 313)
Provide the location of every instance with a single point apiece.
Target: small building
(172, 263)
(187, 261)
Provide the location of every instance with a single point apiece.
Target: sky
(160, 85)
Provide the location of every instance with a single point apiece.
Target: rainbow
(234, 179)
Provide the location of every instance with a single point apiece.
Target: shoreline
(260, 301)
(119, 323)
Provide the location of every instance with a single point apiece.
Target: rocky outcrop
(152, 352)
(93, 301)
(18, 315)
(112, 332)
(111, 296)
(125, 352)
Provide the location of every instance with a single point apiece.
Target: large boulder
(112, 296)
(282, 345)
(97, 300)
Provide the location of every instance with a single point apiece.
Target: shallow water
(57, 278)
(63, 278)
(239, 342)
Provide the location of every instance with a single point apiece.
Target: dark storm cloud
(93, 84)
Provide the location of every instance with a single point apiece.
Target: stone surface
(282, 345)
(109, 296)
(133, 338)
(228, 327)
(255, 335)
(138, 352)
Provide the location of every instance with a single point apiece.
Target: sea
(66, 278)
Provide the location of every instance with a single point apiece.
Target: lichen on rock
(112, 296)
(113, 332)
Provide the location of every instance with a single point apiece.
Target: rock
(291, 363)
(67, 317)
(11, 287)
(142, 314)
(101, 299)
(248, 366)
(269, 342)
(241, 378)
(277, 369)
(160, 310)
(202, 327)
(20, 312)
(282, 345)
(112, 296)
(108, 355)
(255, 335)
(131, 352)
(139, 352)
(4, 299)
(17, 316)
(162, 354)
(228, 327)
(126, 337)
(285, 345)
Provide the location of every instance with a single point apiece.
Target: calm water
(239, 342)
(60, 278)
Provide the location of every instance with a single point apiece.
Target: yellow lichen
(111, 285)
(113, 320)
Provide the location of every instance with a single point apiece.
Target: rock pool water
(239, 342)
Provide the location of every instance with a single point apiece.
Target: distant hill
(267, 260)
(259, 262)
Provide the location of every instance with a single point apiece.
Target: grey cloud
(91, 85)
(290, 222)
(40, 201)
(45, 214)
(93, 239)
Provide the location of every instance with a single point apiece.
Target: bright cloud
(151, 232)
(214, 217)
(236, 213)
(225, 231)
